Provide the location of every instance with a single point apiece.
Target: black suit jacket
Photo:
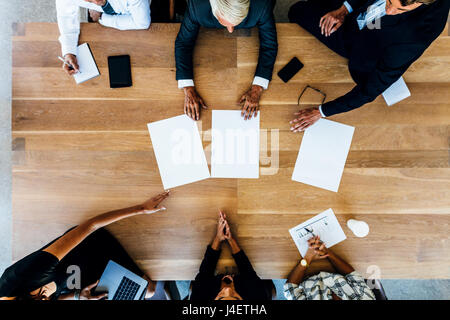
(199, 13)
(247, 283)
(378, 57)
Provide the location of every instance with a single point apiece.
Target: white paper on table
(396, 92)
(234, 145)
(325, 225)
(179, 151)
(86, 63)
(322, 155)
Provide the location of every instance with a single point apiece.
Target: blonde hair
(234, 11)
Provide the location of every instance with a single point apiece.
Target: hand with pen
(70, 65)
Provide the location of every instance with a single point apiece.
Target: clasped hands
(316, 250)
(249, 101)
(223, 228)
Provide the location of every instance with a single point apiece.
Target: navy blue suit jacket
(199, 14)
(379, 57)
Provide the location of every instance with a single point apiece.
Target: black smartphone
(290, 69)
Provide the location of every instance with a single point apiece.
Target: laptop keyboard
(127, 290)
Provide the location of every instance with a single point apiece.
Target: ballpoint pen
(310, 231)
(65, 62)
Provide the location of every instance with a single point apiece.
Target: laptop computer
(121, 284)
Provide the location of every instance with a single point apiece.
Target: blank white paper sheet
(234, 145)
(86, 63)
(396, 92)
(179, 151)
(322, 155)
(325, 225)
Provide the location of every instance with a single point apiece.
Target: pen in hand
(68, 64)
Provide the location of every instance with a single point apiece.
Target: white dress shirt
(131, 15)
(256, 80)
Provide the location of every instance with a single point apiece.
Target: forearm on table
(71, 239)
(339, 264)
(297, 274)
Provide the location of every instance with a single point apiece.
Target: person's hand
(151, 287)
(305, 118)
(330, 22)
(223, 229)
(95, 15)
(152, 205)
(316, 250)
(192, 103)
(250, 102)
(227, 230)
(86, 294)
(72, 60)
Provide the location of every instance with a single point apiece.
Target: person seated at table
(118, 14)
(347, 284)
(244, 286)
(48, 273)
(380, 39)
(229, 14)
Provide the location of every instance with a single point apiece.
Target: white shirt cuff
(348, 6)
(321, 113)
(106, 20)
(261, 82)
(69, 49)
(185, 83)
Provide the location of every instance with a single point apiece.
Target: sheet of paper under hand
(179, 151)
(322, 155)
(86, 63)
(396, 92)
(325, 225)
(234, 145)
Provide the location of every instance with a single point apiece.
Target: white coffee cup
(359, 228)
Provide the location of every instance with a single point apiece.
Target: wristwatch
(304, 263)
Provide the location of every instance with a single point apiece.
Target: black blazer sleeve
(209, 263)
(185, 42)
(245, 267)
(394, 62)
(268, 45)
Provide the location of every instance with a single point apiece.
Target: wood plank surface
(82, 150)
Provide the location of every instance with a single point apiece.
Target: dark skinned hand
(86, 293)
(153, 205)
(192, 103)
(250, 102)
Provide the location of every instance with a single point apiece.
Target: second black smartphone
(290, 69)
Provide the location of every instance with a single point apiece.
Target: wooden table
(83, 150)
